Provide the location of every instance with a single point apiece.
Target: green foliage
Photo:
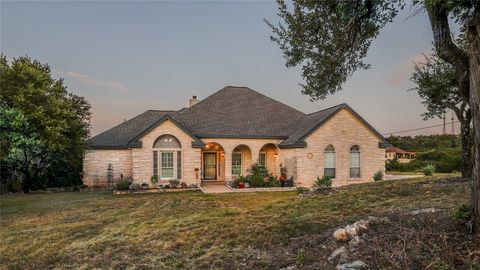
(300, 260)
(256, 180)
(378, 176)
(462, 212)
(154, 179)
(42, 125)
(11, 185)
(256, 169)
(428, 170)
(174, 183)
(273, 181)
(123, 184)
(423, 143)
(301, 190)
(329, 39)
(323, 183)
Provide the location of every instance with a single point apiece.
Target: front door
(209, 166)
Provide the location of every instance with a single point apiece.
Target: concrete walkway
(214, 188)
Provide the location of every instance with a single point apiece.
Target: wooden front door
(210, 166)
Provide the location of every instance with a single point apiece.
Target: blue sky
(128, 57)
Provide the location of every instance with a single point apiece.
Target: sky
(129, 57)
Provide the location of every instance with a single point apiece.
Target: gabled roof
(314, 120)
(232, 112)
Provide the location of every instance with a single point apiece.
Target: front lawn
(192, 229)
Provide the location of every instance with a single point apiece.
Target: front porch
(221, 164)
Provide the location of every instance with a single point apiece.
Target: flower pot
(241, 185)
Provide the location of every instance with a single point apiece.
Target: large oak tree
(330, 39)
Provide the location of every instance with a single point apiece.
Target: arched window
(329, 161)
(167, 158)
(355, 161)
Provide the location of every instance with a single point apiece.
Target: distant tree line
(43, 127)
(442, 151)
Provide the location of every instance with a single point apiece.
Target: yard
(195, 230)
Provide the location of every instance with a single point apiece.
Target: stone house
(218, 138)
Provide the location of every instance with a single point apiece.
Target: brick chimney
(194, 101)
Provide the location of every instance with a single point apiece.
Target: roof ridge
(341, 104)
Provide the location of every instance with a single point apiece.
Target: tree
(331, 38)
(57, 119)
(437, 84)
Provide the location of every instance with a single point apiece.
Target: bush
(302, 190)
(154, 179)
(273, 182)
(322, 183)
(123, 184)
(428, 170)
(256, 169)
(462, 212)
(183, 185)
(174, 183)
(378, 176)
(256, 180)
(12, 185)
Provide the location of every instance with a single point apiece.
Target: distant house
(220, 137)
(401, 155)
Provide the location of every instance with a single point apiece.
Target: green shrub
(154, 179)
(256, 169)
(256, 180)
(428, 170)
(462, 212)
(301, 190)
(273, 181)
(174, 183)
(322, 183)
(300, 258)
(12, 185)
(378, 176)
(123, 184)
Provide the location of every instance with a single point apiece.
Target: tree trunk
(466, 139)
(473, 35)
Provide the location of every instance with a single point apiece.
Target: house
(400, 155)
(219, 137)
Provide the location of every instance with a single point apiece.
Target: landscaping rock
(341, 235)
(351, 230)
(134, 187)
(342, 251)
(362, 224)
(423, 211)
(354, 242)
(352, 265)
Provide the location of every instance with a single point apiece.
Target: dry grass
(194, 230)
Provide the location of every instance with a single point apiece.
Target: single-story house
(400, 155)
(219, 137)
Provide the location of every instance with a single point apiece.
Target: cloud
(400, 77)
(87, 79)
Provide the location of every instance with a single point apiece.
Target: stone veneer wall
(142, 158)
(95, 165)
(342, 131)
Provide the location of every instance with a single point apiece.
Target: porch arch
(269, 157)
(213, 162)
(241, 160)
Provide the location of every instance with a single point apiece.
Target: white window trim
(265, 153)
(241, 163)
(359, 165)
(175, 165)
(334, 162)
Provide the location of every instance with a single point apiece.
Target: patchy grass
(195, 230)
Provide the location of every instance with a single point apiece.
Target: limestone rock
(341, 235)
(352, 265)
(338, 252)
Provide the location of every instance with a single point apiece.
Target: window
(329, 161)
(155, 163)
(236, 163)
(355, 161)
(167, 165)
(262, 159)
(167, 157)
